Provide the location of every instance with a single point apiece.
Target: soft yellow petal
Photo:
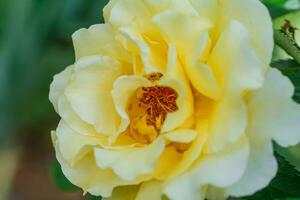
(58, 86)
(200, 75)
(189, 35)
(89, 92)
(255, 17)
(135, 43)
(235, 64)
(134, 13)
(73, 145)
(227, 123)
(86, 175)
(274, 112)
(181, 135)
(169, 158)
(151, 190)
(184, 31)
(261, 167)
(221, 170)
(99, 39)
(173, 163)
(184, 103)
(182, 6)
(132, 162)
(71, 118)
(206, 8)
(194, 151)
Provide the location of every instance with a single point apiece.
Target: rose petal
(89, 92)
(210, 170)
(234, 62)
(132, 162)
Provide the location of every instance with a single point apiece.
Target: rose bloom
(173, 99)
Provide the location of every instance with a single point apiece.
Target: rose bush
(173, 99)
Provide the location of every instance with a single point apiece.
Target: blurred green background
(35, 44)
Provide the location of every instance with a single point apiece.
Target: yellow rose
(173, 99)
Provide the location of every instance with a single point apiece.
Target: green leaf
(275, 10)
(289, 199)
(276, 2)
(59, 179)
(91, 197)
(286, 64)
(286, 184)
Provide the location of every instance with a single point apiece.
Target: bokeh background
(35, 44)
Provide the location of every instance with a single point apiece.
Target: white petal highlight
(274, 112)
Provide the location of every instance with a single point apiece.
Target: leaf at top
(286, 184)
(275, 10)
(276, 2)
(59, 179)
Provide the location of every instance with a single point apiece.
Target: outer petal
(58, 86)
(86, 175)
(71, 118)
(63, 107)
(132, 162)
(255, 16)
(261, 167)
(134, 13)
(234, 62)
(73, 145)
(273, 115)
(274, 112)
(227, 123)
(89, 92)
(99, 39)
(210, 170)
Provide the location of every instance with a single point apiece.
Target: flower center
(148, 111)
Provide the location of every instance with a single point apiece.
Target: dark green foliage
(276, 7)
(90, 197)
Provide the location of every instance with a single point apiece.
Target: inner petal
(148, 111)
